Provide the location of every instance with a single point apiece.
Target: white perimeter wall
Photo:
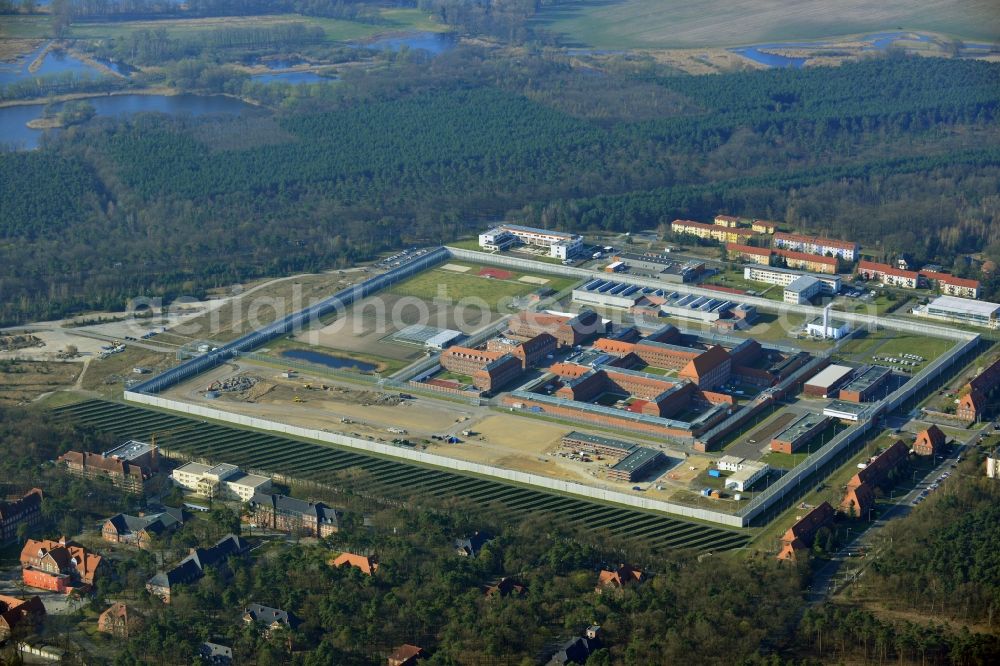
(444, 462)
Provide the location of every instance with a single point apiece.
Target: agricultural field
(337, 30)
(645, 24)
(473, 284)
(392, 480)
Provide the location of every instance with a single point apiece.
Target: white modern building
(832, 330)
(561, 245)
(748, 474)
(730, 463)
(785, 276)
(961, 311)
(223, 481)
(802, 290)
(847, 411)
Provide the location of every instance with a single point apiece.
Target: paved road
(824, 581)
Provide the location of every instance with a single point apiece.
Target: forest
(428, 151)
(736, 608)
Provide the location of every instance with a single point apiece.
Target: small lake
(434, 43)
(55, 62)
(880, 41)
(13, 130)
(329, 360)
(294, 78)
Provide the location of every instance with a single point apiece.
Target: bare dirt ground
(22, 382)
(367, 327)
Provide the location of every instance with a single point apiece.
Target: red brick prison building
(59, 566)
(865, 385)
(568, 330)
(488, 370)
(799, 433)
(530, 352)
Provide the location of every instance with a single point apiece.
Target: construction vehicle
(299, 399)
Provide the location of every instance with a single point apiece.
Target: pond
(55, 62)
(877, 41)
(434, 43)
(294, 78)
(14, 132)
(329, 360)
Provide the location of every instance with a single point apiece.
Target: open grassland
(623, 24)
(24, 381)
(24, 27)
(337, 30)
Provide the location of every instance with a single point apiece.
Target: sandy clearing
(456, 268)
(531, 279)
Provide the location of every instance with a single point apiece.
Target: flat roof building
(846, 250)
(748, 474)
(962, 311)
(866, 384)
(222, 480)
(834, 329)
(802, 290)
(786, 276)
(633, 466)
(799, 433)
(846, 411)
(561, 245)
(827, 381)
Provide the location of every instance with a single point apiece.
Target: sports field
(480, 284)
(624, 24)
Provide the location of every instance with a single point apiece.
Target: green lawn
(337, 30)
(625, 24)
(784, 460)
(902, 343)
(455, 286)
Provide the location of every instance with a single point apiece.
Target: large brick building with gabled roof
(59, 566)
(929, 442)
(860, 495)
(24, 511)
(800, 536)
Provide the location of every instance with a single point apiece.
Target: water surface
(329, 360)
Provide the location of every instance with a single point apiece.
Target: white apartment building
(222, 481)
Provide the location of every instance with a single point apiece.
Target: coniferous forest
(900, 153)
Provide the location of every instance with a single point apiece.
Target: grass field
(337, 30)
(455, 286)
(929, 348)
(624, 24)
(24, 27)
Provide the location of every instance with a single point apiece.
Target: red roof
(947, 278)
(886, 269)
(748, 249)
(636, 406)
(717, 287)
(815, 258)
(816, 240)
(703, 364)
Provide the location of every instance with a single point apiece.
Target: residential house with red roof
(366, 565)
(846, 250)
(619, 578)
(800, 536)
(16, 612)
(406, 655)
(888, 275)
(929, 442)
(59, 566)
